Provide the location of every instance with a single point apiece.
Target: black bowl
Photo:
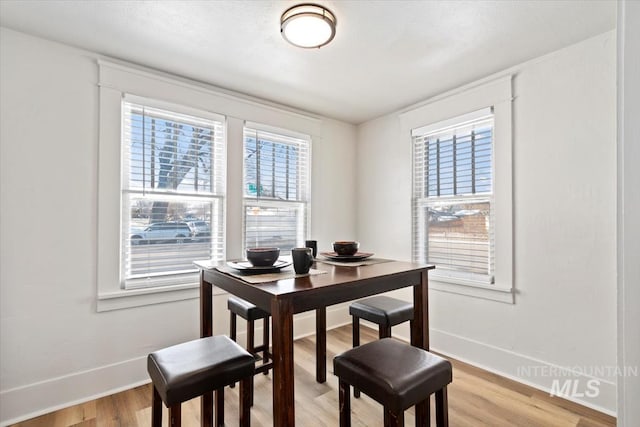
(345, 247)
(263, 257)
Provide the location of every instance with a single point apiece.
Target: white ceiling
(386, 54)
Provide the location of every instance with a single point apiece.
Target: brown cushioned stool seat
(382, 310)
(398, 376)
(245, 309)
(195, 368)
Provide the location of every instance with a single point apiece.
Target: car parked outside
(163, 232)
(200, 230)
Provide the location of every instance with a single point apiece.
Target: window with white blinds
(173, 187)
(453, 195)
(276, 188)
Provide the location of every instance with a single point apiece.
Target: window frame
(216, 195)
(497, 94)
(304, 202)
(422, 199)
(116, 80)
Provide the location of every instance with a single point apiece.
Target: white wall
(628, 208)
(564, 185)
(55, 348)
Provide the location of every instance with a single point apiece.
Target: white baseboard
(32, 400)
(527, 370)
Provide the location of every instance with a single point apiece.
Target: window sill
(122, 299)
(472, 289)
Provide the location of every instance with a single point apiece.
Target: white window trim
(182, 278)
(117, 79)
(496, 93)
(278, 131)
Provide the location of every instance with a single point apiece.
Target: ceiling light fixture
(308, 25)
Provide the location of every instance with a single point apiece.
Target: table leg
(321, 345)
(283, 393)
(420, 329)
(206, 307)
(420, 335)
(206, 330)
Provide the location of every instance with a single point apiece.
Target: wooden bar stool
(251, 313)
(381, 310)
(197, 368)
(398, 376)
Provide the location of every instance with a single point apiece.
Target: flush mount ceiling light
(308, 25)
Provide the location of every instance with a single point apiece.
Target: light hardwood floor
(476, 398)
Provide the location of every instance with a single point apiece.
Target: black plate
(246, 266)
(358, 256)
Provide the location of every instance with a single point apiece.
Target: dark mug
(313, 244)
(302, 259)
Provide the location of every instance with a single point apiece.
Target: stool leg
(251, 348)
(156, 408)
(219, 421)
(355, 336)
(232, 333)
(442, 412)
(251, 336)
(423, 413)
(384, 331)
(344, 403)
(265, 342)
(394, 419)
(175, 416)
(206, 410)
(232, 326)
(245, 402)
(355, 331)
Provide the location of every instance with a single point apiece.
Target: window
(173, 167)
(453, 196)
(155, 267)
(462, 200)
(276, 188)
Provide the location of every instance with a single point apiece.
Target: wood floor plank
(74, 415)
(477, 398)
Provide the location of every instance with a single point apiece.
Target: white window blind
(276, 188)
(172, 193)
(453, 195)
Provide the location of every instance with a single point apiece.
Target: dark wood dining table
(285, 297)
